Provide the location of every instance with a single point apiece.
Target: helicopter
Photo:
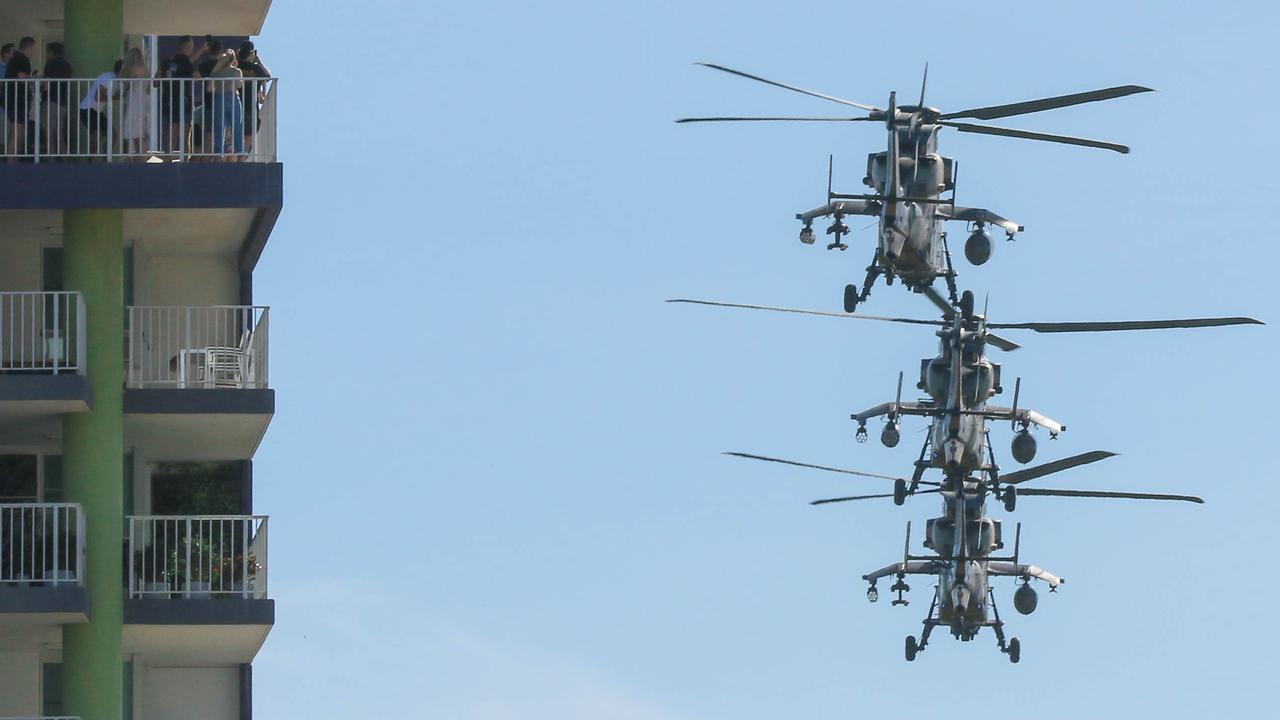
(908, 180)
(963, 539)
(960, 380)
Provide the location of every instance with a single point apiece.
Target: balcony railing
(41, 544)
(214, 346)
(42, 332)
(197, 556)
(137, 119)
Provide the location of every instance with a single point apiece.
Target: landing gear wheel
(912, 648)
(1010, 498)
(966, 304)
(1015, 650)
(850, 298)
(899, 491)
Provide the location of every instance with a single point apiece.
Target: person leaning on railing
(93, 110)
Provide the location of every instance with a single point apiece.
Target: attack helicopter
(960, 380)
(908, 181)
(963, 539)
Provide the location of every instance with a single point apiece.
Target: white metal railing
(197, 556)
(134, 119)
(212, 346)
(42, 332)
(41, 544)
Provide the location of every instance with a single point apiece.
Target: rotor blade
(782, 119)
(826, 501)
(802, 91)
(939, 301)
(1029, 135)
(749, 456)
(1031, 473)
(1108, 494)
(1002, 343)
(992, 112)
(854, 316)
(1113, 325)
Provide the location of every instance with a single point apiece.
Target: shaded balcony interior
(42, 551)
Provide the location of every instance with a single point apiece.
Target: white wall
(185, 279)
(20, 270)
(190, 693)
(20, 683)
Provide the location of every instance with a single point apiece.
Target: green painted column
(93, 466)
(93, 31)
(93, 442)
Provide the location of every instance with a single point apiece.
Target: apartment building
(134, 367)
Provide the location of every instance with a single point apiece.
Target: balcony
(197, 587)
(197, 557)
(196, 385)
(42, 356)
(42, 563)
(134, 120)
(198, 347)
(151, 146)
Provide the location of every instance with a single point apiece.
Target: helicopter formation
(957, 461)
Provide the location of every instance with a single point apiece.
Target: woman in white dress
(137, 109)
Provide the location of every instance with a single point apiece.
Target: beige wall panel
(191, 693)
(19, 684)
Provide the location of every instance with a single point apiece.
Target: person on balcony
(55, 109)
(6, 52)
(255, 90)
(176, 101)
(227, 109)
(137, 109)
(16, 96)
(95, 114)
(204, 138)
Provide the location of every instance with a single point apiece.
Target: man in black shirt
(176, 96)
(16, 107)
(254, 91)
(56, 101)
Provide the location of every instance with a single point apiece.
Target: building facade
(134, 367)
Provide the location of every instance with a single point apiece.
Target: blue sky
(494, 476)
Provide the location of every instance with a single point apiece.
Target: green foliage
(195, 488)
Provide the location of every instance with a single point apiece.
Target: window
(19, 480)
(195, 488)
